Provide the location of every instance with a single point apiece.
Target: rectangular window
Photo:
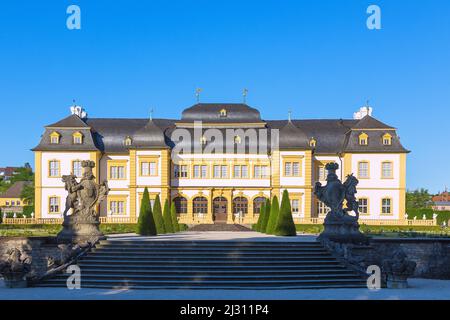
(244, 171)
(54, 205)
(216, 171)
(363, 170)
(148, 169)
(260, 171)
(322, 209)
(224, 171)
(321, 173)
(295, 206)
(196, 171)
(287, 168)
(54, 140)
(77, 140)
(180, 171)
(117, 172)
(13, 203)
(386, 206)
(237, 172)
(117, 207)
(292, 169)
(54, 168)
(204, 171)
(363, 206)
(386, 170)
(76, 168)
(18, 203)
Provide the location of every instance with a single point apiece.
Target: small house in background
(7, 173)
(10, 201)
(441, 202)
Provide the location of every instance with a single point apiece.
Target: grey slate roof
(332, 135)
(72, 121)
(210, 112)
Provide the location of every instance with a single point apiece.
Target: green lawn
(388, 231)
(41, 230)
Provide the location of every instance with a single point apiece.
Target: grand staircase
(140, 264)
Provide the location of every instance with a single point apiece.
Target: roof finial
(197, 93)
(151, 114)
(289, 114)
(74, 104)
(244, 95)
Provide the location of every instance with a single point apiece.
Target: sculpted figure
(339, 225)
(83, 198)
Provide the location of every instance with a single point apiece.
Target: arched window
(200, 205)
(257, 204)
(180, 205)
(240, 205)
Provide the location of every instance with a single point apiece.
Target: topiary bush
(173, 214)
(167, 218)
(157, 216)
(285, 224)
(146, 224)
(273, 217)
(257, 226)
(266, 214)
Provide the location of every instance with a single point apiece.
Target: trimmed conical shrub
(285, 225)
(167, 218)
(257, 226)
(273, 217)
(146, 223)
(266, 215)
(157, 215)
(173, 215)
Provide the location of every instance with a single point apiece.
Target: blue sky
(316, 57)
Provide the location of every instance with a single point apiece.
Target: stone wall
(432, 255)
(39, 248)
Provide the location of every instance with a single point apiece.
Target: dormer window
(54, 137)
(363, 139)
(128, 141)
(77, 138)
(223, 113)
(387, 139)
(237, 139)
(312, 143)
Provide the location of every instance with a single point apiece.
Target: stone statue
(339, 225)
(397, 270)
(15, 268)
(83, 198)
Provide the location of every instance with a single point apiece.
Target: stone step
(209, 269)
(202, 255)
(207, 244)
(220, 227)
(212, 283)
(269, 251)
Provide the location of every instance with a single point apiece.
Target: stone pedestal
(80, 230)
(342, 230)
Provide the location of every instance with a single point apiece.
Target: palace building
(180, 160)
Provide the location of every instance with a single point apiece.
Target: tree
(146, 223)
(285, 224)
(266, 214)
(167, 218)
(418, 199)
(260, 218)
(273, 217)
(23, 174)
(173, 213)
(157, 215)
(27, 194)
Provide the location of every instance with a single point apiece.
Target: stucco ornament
(339, 225)
(82, 224)
(15, 268)
(397, 270)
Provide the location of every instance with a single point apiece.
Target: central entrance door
(220, 210)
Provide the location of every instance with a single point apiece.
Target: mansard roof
(332, 136)
(211, 113)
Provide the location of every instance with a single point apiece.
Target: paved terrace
(213, 236)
